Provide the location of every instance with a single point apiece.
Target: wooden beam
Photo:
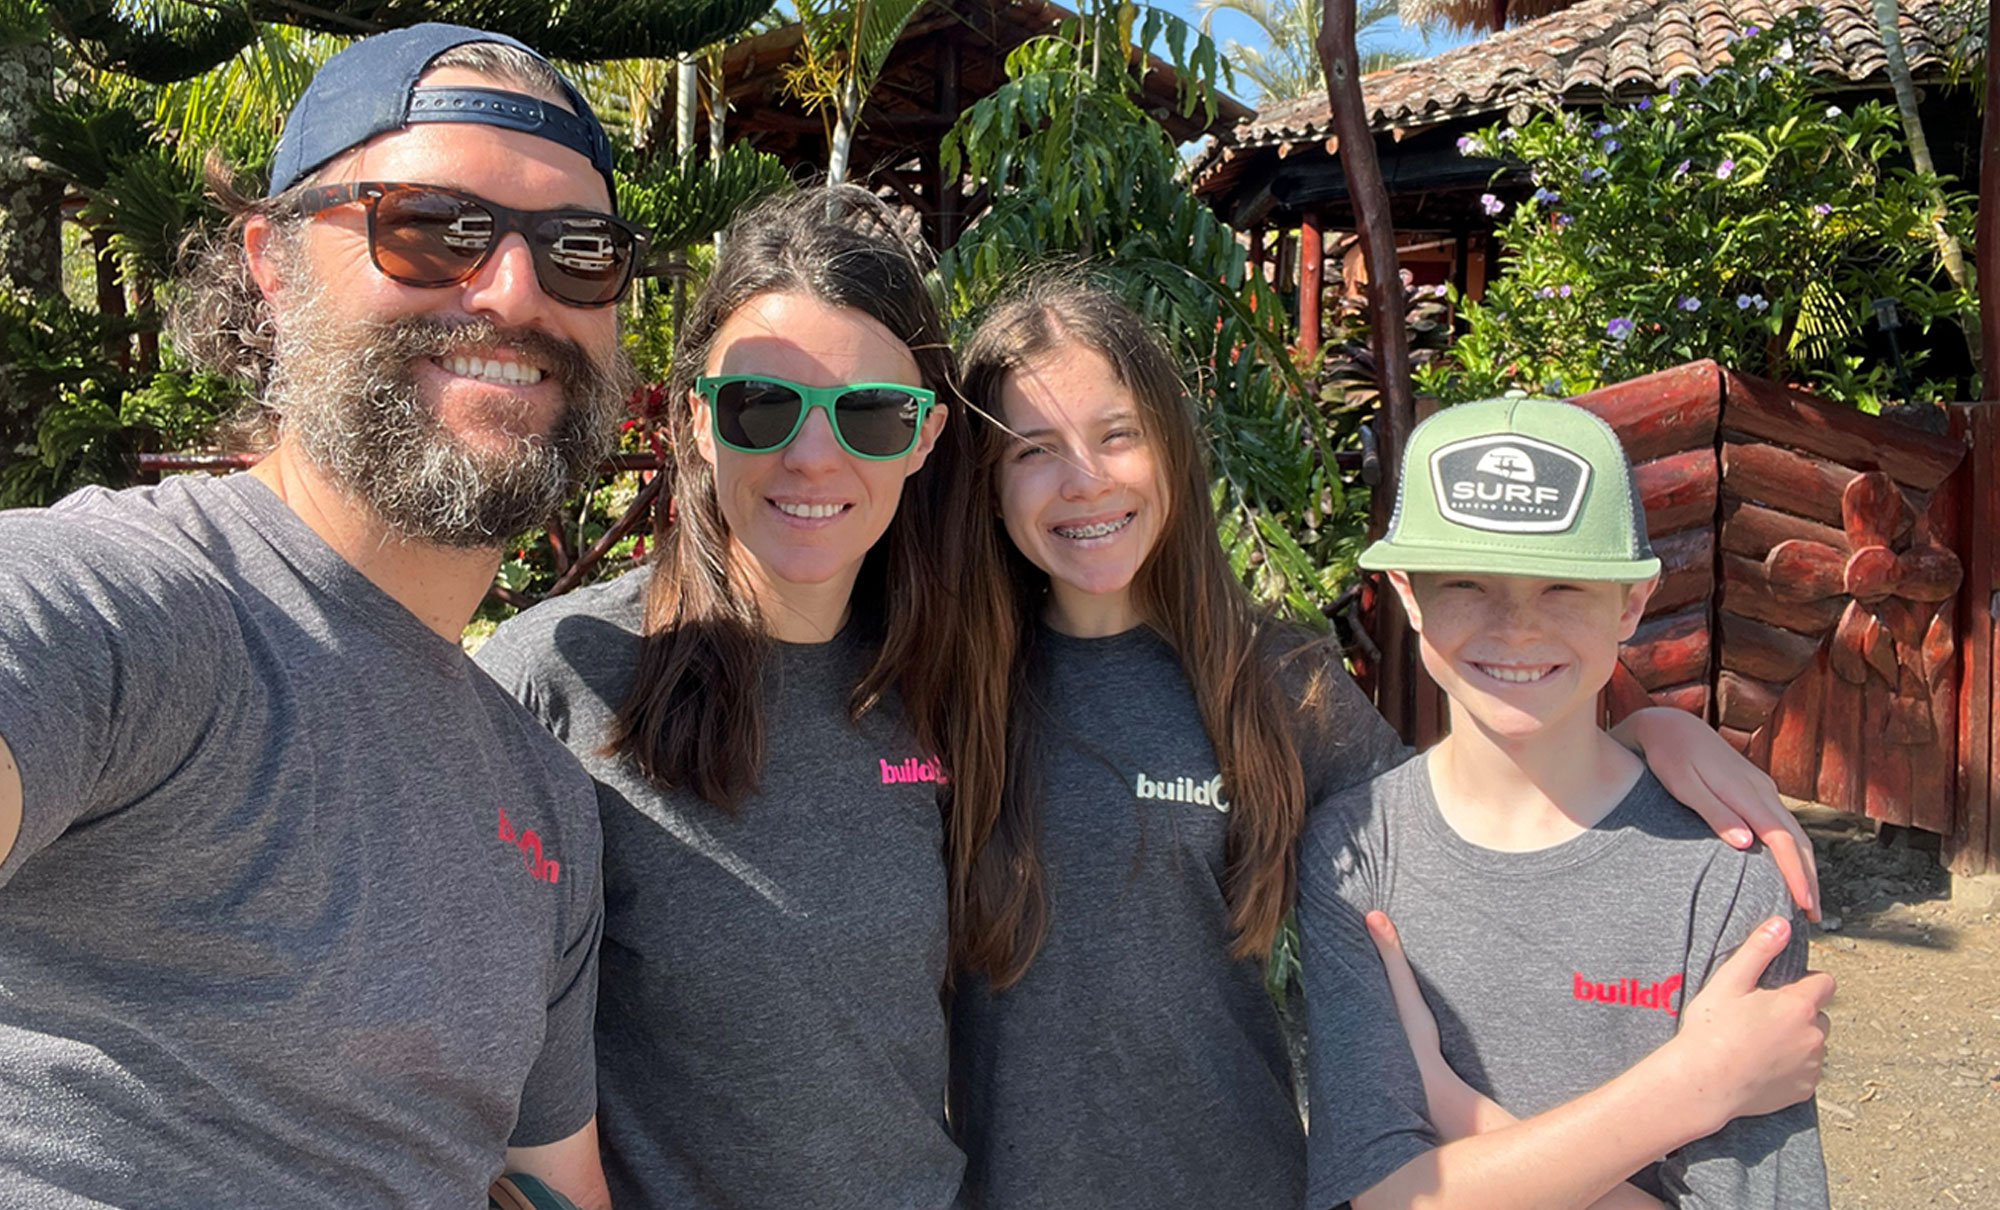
(1751, 530)
(1838, 432)
(1769, 653)
(1668, 412)
(1312, 281)
(1746, 590)
(1678, 491)
(1669, 650)
(1797, 483)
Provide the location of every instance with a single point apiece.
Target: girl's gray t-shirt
(769, 1028)
(1549, 972)
(1136, 1063)
(304, 909)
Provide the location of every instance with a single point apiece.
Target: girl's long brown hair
(929, 595)
(1228, 648)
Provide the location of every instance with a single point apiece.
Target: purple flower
(1490, 204)
(1564, 291)
(1611, 145)
(1687, 303)
(1601, 129)
(1564, 220)
(1467, 145)
(1546, 292)
(1742, 302)
(1674, 87)
(1751, 31)
(1645, 103)
(1822, 209)
(1680, 170)
(1544, 196)
(1619, 328)
(1553, 388)
(1596, 174)
(1723, 169)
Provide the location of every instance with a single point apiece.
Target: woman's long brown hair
(929, 595)
(1228, 648)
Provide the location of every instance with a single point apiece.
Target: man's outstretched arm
(569, 1166)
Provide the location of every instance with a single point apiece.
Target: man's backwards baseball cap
(1516, 487)
(371, 88)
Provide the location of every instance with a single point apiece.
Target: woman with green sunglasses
(764, 711)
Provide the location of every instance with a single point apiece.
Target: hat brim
(1386, 555)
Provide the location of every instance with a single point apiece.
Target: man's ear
(934, 422)
(259, 248)
(703, 428)
(1400, 581)
(1636, 596)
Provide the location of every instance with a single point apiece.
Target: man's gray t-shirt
(264, 938)
(1136, 1063)
(769, 1030)
(1550, 973)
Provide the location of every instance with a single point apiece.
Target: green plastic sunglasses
(756, 413)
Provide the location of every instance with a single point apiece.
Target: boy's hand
(1748, 1050)
(1735, 797)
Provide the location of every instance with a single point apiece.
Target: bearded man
(298, 908)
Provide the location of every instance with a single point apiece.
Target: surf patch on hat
(1529, 487)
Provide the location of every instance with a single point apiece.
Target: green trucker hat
(1516, 487)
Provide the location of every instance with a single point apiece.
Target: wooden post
(1986, 231)
(1312, 275)
(1257, 252)
(1386, 304)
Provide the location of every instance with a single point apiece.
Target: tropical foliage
(1737, 216)
(1075, 168)
(1287, 66)
(842, 49)
(103, 388)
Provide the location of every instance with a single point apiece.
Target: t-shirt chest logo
(1509, 484)
(1663, 994)
(541, 867)
(910, 770)
(1181, 789)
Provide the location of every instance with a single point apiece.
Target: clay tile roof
(1582, 55)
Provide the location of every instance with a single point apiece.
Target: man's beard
(347, 392)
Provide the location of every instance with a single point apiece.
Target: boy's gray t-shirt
(769, 1027)
(264, 938)
(1550, 973)
(1136, 1063)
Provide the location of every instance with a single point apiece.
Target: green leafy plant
(1738, 217)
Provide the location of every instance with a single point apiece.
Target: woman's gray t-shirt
(769, 1029)
(1136, 1063)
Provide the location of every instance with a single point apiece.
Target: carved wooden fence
(1813, 593)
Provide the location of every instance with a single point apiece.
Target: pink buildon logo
(540, 868)
(912, 770)
(1660, 995)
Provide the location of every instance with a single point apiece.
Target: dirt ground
(1910, 1102)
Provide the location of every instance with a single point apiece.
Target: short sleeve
(561, 1091)
(115, 654)
(1365, 1095)
(1343, 741)
(1772, 1161)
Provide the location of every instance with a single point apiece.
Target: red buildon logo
(529, 841)
(911, 770)
(1660, 995)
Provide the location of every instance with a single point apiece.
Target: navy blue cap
(370, 88)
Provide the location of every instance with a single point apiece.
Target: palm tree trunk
(843, 128)
(1905, 88)
(30, 215)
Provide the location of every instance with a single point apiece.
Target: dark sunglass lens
(582, 258)
(426, 238)
(879, 421)
(756, 415)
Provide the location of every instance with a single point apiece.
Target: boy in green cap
(1558, 908)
